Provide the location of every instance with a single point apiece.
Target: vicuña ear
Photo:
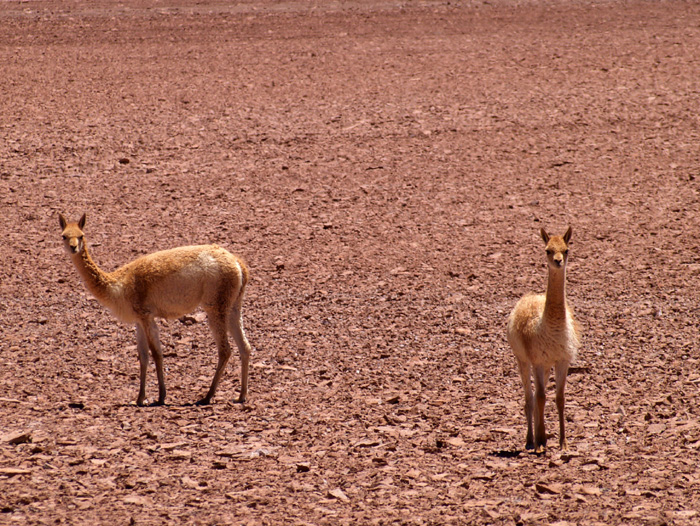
(567, 236)
(81, 223)
(63, 221)
(544, 235)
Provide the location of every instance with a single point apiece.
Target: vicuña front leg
(147, 337)
(540, 396)
(524, 369)
(142, 346)
(561, 369)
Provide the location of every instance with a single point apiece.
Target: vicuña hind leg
(235, 325)
(217, 323)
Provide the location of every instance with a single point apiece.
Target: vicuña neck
(96, 279)
(555, 302)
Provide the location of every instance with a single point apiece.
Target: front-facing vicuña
(543, 333)
(169, 284)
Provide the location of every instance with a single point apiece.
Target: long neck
(555, 302)
(97, 281)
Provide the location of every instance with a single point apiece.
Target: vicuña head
(543, 334)
(557, 248)
(72, 235)
(169, 284)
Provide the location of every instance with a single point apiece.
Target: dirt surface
(384, 168)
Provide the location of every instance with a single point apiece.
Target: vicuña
(543, 334)
(169, 284)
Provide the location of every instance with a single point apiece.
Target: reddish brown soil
(384, 168)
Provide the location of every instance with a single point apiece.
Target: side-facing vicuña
(543, 334)
(169, 284)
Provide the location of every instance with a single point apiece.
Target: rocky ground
(384, 168)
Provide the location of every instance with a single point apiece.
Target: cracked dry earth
(384, 168)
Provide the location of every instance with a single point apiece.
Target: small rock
(339, 494)
(552, 489)
(394, 399)
(136, 499)
(455, 441)
(11, 472)
(17, 438)
(591, 490)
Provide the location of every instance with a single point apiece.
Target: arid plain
(384, 169)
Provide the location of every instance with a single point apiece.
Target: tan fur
(543, 333)
(170, 284)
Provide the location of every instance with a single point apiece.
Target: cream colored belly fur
(538, 342)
